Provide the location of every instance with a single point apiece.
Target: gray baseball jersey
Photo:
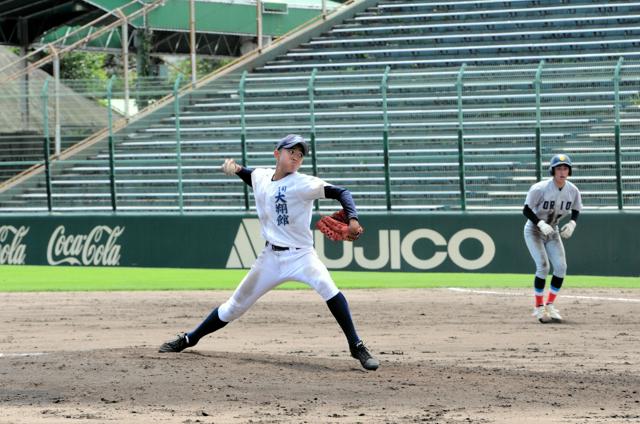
(550, 203)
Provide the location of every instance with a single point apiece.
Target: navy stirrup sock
(209, 325)
(556, 283)
(340, 309)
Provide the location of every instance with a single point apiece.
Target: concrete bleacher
(498, 119)
(448, 33)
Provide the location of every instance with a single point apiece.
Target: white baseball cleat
(553, 313)
(540, 313)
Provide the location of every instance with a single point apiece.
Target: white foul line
(12, 355)
(615, 299)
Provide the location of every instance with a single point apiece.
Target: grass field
(45, 278)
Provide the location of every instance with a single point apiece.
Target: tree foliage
(203, 67)
(84, 65)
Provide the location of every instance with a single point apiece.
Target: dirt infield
(446, 357)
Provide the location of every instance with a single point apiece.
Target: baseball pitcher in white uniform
(284, 202)
(547, 202)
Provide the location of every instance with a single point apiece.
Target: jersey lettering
(548, 204)
(281, 206)
(285, 206)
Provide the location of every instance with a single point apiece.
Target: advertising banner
(603, 243)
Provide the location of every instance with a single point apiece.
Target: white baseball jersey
(550, 203)
(285, 206)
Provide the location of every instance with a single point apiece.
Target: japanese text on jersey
(281, 206)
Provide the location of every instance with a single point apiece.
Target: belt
(279, 248)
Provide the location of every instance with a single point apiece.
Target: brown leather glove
(338, 227)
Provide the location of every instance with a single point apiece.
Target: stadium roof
(219, 23)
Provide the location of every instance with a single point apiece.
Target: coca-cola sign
(96, 248)
(12, 251)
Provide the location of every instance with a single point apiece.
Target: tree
(83, 65)
(203, 67)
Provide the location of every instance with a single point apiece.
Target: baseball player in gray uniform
(547, 202)
(284, 202)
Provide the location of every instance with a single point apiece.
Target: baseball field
(80, 345)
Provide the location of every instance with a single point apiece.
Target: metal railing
(463, 138)
(53, 51)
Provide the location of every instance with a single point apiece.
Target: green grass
(45, 278)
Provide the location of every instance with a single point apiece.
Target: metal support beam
(461, 173)
(259, 24)
(176, 113)
(112, 154)
(243, 132)
(44, 94)
(616, 87)
(192, 41)
(384, 85)
(125, 61)
(23, 37)
(56, 111)
(312, 123)
(537, 83)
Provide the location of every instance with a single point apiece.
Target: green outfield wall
(603, 243)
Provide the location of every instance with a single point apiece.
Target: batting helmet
(560, 159)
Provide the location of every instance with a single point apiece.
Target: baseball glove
(336, 227)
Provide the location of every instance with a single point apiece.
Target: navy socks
(340, 309)
(209, 325)
(337, 305)
(556, 283)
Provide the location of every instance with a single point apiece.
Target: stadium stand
(449, 33)
(21, 132)
(433, 102)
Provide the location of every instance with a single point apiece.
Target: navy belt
(279, 248)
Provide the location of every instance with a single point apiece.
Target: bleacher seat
(425, 44)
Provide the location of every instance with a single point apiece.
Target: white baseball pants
(273, 268)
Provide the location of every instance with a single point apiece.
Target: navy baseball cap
(291, 140)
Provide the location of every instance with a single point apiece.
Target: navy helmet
(560, 159)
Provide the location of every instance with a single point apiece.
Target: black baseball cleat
(179, 344)
(361, 353)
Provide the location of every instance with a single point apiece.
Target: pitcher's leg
(340, 310)
(311, 271)
(264, 275)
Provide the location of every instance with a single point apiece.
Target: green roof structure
(221, 25)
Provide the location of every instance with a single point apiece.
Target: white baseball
(229, 167)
